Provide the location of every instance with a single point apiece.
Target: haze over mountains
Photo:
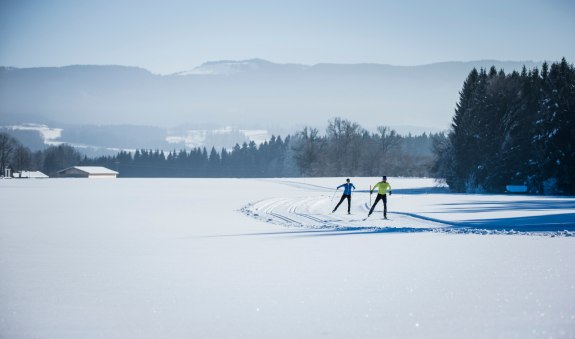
(246, 94)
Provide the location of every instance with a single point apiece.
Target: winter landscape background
(181, 258)
(232, 123)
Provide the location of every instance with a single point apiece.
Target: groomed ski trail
(314, 212)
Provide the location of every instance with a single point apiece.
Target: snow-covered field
(265, 258)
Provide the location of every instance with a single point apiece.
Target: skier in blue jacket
(346, 195)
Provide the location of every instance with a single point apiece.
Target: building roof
(32, 174)
(91, 170)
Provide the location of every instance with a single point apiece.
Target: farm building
(30, 175)
(87, 172)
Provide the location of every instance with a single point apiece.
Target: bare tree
(7, 146)
(22, 158)
(388, 140)
(344, 139)
(307, 148)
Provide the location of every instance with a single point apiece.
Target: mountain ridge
(488, 62)
(250, 90)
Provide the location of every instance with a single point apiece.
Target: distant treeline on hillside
(346, 149)
(516, 128)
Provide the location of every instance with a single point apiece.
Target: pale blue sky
(176, 35)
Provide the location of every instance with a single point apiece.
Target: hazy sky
(170, 36)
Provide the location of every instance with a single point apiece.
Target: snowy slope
(177, 258)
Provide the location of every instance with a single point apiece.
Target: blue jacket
(347, 188)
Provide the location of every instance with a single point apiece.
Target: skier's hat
(384, 177)
(347, 179)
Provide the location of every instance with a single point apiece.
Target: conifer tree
(462, 134)
(213, 165)
(558, 114)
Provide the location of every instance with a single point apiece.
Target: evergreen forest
(512, 129)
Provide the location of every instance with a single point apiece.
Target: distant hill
(235, 92)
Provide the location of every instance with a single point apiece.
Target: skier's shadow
(494, 206)
(535, 223)
(538, 223)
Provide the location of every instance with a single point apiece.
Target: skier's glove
(389, 192)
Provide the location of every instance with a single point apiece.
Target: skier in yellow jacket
(382, 187)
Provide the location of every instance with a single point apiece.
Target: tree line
(345, 149)
(269, 159)
(512, 129)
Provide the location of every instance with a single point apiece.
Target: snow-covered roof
(91, 170)
(31, 174)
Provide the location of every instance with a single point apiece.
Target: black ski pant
(343, 197)
(380, 197)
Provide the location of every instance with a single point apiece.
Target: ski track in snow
(313, 213)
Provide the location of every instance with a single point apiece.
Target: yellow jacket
(382, 187)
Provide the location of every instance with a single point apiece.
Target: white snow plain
(265, 258)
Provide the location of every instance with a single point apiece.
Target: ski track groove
(309, 212)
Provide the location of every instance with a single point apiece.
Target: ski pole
(369, 195)
(334, 192)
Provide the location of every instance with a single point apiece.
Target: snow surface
(197, 138)
(188, 258)
(50, 135)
